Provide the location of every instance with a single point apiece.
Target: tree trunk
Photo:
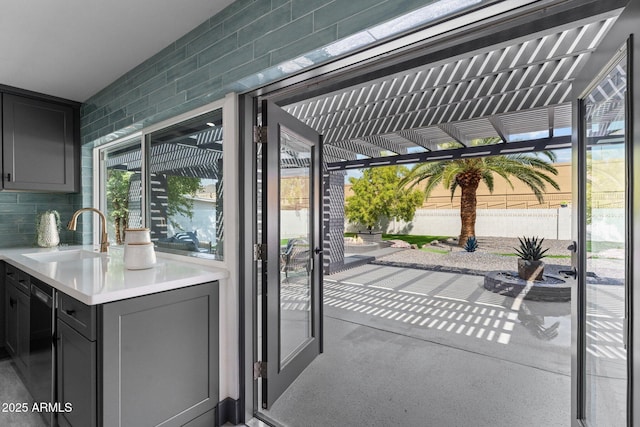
(468, 182)
(117, 231)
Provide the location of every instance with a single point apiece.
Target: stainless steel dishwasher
(41, 346)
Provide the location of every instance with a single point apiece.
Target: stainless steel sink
(63, 256)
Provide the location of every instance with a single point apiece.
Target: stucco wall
(547, 223)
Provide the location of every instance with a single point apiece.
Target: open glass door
(292, 271)
(605, 356)
(604, 227)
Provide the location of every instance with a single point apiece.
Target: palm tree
(531, 169)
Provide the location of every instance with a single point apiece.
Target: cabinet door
(11, 320)
(17, 328)
(160, 357)
(76, 377)
(38, 150)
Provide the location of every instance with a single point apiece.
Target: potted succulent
(530, 265)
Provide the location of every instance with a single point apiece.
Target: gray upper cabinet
(39, 145)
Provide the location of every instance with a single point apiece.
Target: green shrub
(531, 249)
(471, 244)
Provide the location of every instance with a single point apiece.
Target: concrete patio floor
(406, 347)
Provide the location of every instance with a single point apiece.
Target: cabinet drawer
(79, 316)
(18, 278)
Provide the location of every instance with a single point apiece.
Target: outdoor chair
(294, 257)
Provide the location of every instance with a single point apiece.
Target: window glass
(185, 186)
(123, 189)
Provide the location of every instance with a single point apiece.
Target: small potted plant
(530, 265)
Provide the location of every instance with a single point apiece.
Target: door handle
(317, 251)
(572, 273)
(573, 247)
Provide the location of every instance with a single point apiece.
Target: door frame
(623, 32)
(496, 24)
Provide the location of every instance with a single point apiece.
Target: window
(185, 197)
(122, 204)
(168, 179)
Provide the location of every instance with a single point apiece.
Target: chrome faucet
(104, 240)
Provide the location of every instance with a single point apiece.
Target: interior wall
(246, 38)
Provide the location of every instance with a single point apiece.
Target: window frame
(228, 105)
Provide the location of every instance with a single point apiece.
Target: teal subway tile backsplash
(173, 101)
(153, 84)
(162, 93)
(236, 49)
(219, 48)
(304, 44)
(137, 105)
(240, 56)
(19, 212)
(277, 19)
(8, 197)
(182, 69)
(190, 80)
(117, 115)
(143, 114)
(302, 7)
(13, 209)
(248, 16)
(378, 13)
(246, 69)
(127, 121)
(339, 10)
(295, 30)
(211, 86)
(204, 40)
(235, 8)
(247, 41)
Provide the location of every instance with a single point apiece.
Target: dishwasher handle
(46, 299)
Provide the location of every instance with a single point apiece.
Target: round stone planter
(371, 236)
(551, 288)
(358, 248)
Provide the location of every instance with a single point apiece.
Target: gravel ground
(604, 264)
(486, 258)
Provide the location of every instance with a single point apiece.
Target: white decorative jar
(139, 256)
(47, 229)
(137, 235)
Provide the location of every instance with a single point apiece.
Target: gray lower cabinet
(17, 326)
(154, 360)
(77, 377)
(3, 309)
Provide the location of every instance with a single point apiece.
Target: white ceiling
(74, 48)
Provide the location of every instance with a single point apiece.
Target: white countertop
(104, 279)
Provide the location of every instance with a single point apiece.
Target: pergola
(518, 94)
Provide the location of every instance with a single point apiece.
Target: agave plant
(531, 249)
(471, 244)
